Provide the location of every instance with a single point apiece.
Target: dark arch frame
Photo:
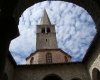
(8, 10)
(82, 3)
(52, 75)
(95, 74)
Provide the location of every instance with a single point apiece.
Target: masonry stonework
(58, 56)
(94, 61)
(46, 41)
(38, 72)
(46, 34)
(9, 69)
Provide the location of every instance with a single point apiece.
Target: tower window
(66, 60)
(43, 30)
(48, 58)
(31, 61)
(48, 30)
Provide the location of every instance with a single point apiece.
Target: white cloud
(74, 29)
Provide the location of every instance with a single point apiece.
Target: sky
(75, 29)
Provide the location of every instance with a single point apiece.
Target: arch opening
(43, 30)
(66, 59)
(5, 76)
(65, 37)
(76, 78)
(52, 77)
(31, 61)
(48, 30)
(96, 74)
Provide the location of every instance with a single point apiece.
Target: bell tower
(47, 51)
(46, 35)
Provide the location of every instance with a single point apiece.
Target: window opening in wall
(48, 58)
(43, 30)
(48, 30)
(46, 39)
(31, 61)
(66, 60)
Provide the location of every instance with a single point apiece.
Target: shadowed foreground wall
(9, 69)
(38, 72)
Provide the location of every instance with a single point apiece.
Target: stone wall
(46, 40)
(94, 60)
(58, 56)
(9, 69)
(38, 72)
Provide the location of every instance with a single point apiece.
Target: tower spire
(45, 19)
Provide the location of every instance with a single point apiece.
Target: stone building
(88, 69)
(46, 45)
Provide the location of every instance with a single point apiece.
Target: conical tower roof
(45, 19)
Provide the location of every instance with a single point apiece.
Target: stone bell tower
(46, 35)
(47, 51)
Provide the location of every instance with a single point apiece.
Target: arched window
(43, 30)
(48, 30)
(5, 77)
(31, 61)
(66, 60)
(48, 58)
